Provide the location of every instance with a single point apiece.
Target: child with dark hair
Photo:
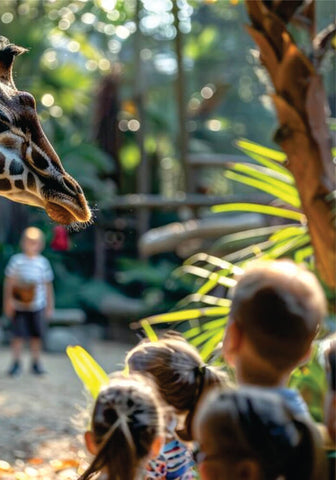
(252, 435)
(126, 429)
(277, 309)
(182, 378)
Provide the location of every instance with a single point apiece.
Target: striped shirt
(30, 270)
(174, 463)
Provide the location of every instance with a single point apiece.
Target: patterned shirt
(30, 270)
(174, 462)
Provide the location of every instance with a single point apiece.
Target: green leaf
(282, 248)
(304, 253)
(207, 287)
(207, 299)
(190, 314)
(266, 173)
(203, 273)
(270, 176)
(252, 147)
(215, 261)
(149, 331)
(274, 189)
(202, 338)
(263, 209)
(208, 348)
(215, 324)
(288, 232)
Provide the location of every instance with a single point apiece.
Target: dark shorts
(28, 324)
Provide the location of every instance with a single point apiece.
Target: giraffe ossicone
(30, 170)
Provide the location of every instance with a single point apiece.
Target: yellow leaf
(90, 373)
(59, 465)
(35, 461)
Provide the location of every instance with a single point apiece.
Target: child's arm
(50, 300)
(8, 304)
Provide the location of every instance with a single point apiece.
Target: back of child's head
(253, 431)
(179, 372)
(279, 306)
(126, 421)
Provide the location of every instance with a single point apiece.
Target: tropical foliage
(203, 315)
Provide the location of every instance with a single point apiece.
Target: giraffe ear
(7, 53)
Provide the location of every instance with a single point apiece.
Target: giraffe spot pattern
(19, 184)
(5, 184)
(3, 127)
(39, 160)
(2, 162)
(15, 167)
(8, 141)
(31, 181)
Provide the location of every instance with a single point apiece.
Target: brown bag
(24, 293)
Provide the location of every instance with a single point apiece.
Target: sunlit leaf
(207, 287)
(149, 331)
(273, 188)
(304, 253)
(263, 209)
(207, 299)
(284, 233)
(215, 261)
(203, 273)
(90, 373)
(189, 314)
(208, 348)
(266, 152)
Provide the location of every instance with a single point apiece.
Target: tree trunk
(300, 103)
(143, 171)
(182, 139)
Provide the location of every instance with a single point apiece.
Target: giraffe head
(30, 170)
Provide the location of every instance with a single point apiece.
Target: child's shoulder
(17, 257)
(41, 259)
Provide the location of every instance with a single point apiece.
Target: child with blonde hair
(28, 298)
(126, 429)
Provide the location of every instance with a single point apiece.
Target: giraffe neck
(15, 179)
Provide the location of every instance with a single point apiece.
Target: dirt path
(38, 438)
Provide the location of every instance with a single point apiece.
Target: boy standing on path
(28, 298)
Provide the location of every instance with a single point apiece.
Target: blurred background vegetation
(127, 92)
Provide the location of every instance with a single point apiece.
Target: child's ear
(231, 342)
(156, 447)
(90, 442)
(247, 470)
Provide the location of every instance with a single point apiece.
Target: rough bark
(300, 103)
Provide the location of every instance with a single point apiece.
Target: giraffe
(30, 170)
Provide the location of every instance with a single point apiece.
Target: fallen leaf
(59, 465)
(35, 461)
